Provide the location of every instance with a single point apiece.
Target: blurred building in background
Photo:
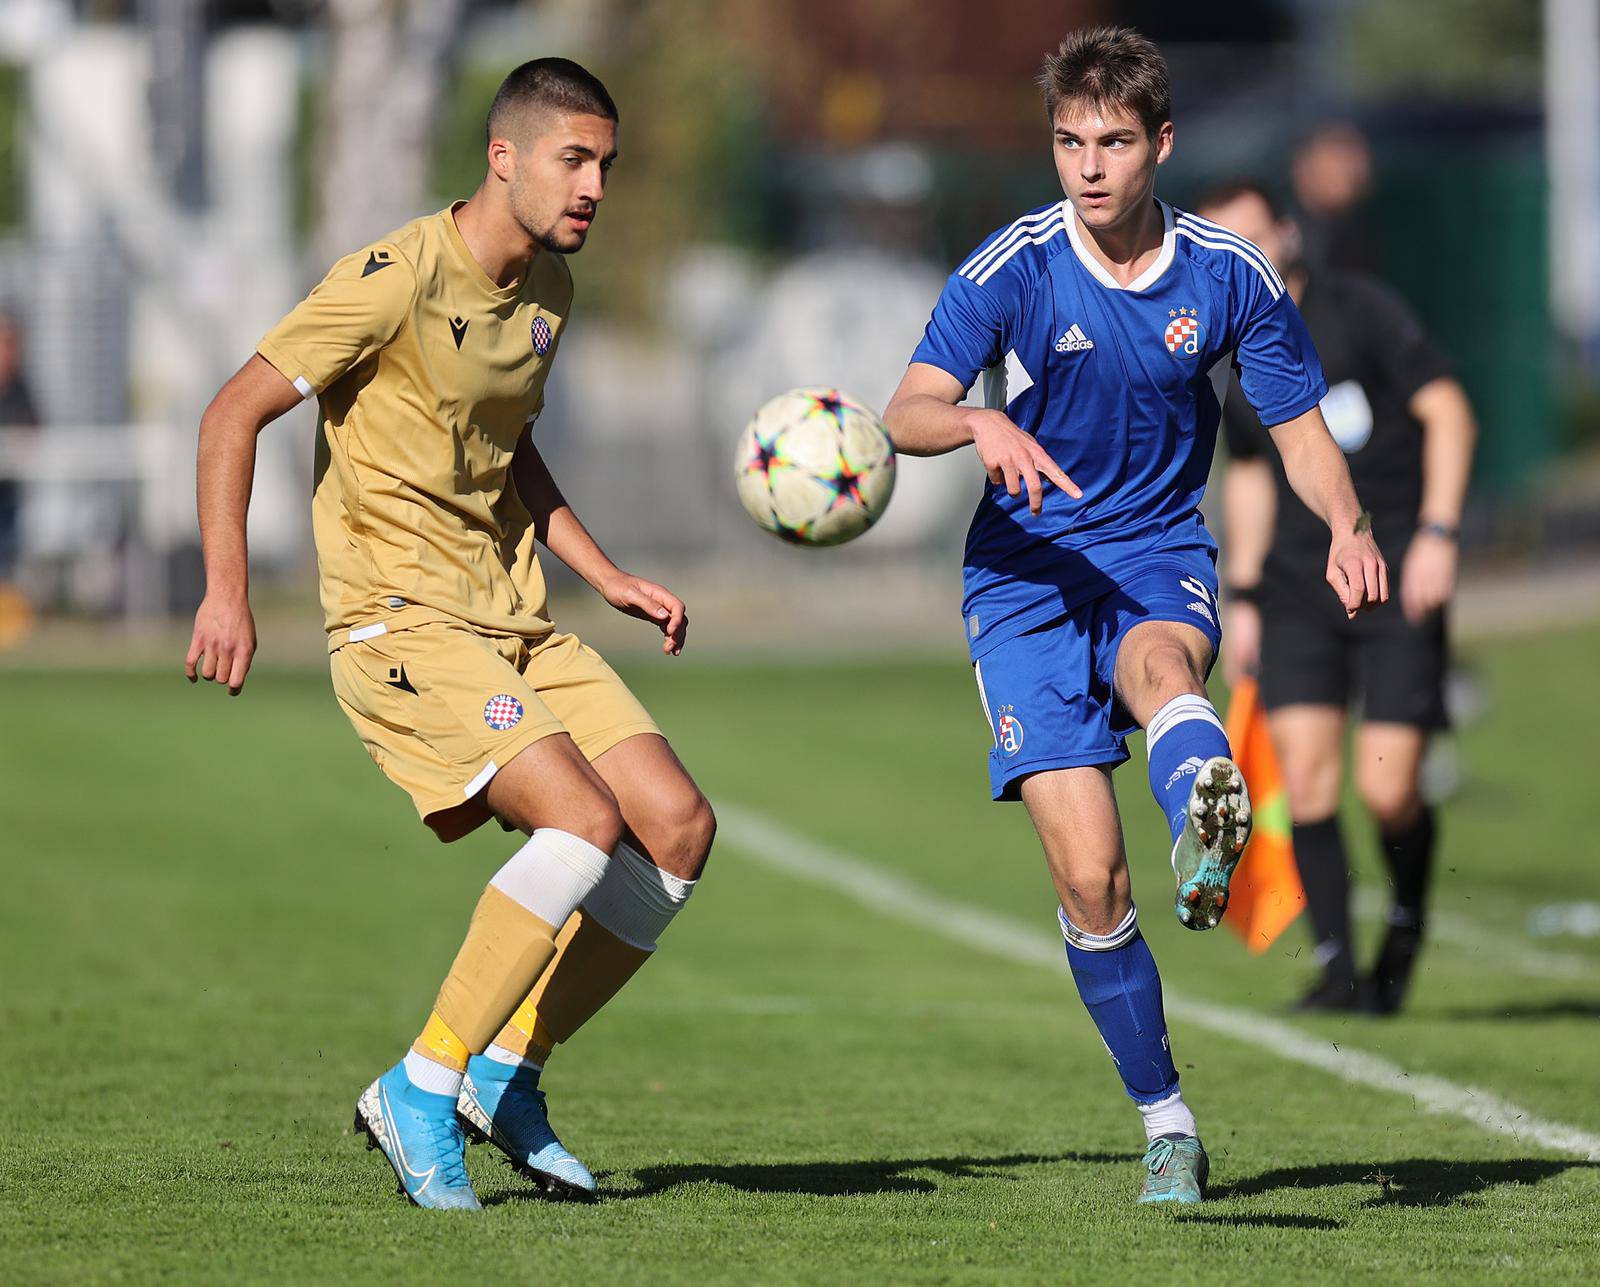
(796, 179)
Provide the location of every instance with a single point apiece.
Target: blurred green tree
(1445, 48)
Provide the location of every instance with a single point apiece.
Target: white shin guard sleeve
(552, 874)
(636, 900)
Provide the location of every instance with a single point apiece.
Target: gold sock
(536, 1046)
(506, 950)
(439, 1043)
(590, 967)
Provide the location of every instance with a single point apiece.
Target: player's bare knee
(679, 831)
(1394, 806)
(699, 831)
(1167, 670)
(1312, 784)
(1097, 907)
(1096, 898)
(1311, 800)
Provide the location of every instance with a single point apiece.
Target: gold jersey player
(428, 352)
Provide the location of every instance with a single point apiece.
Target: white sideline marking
(775, 846)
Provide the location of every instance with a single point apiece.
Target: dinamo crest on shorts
(1185, 337)
(502, 711)
(1008, 735)
(542, 336)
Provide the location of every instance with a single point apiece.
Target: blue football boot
(418, 1132)
(1175, 1167)
(1216, 828)
(503, 1105)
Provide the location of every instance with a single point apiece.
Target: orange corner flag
(1266, 894)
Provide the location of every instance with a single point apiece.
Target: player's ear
(502, 158)
(1163, 142)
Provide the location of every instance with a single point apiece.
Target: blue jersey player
(1090, 581)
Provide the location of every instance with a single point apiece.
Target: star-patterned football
(815, 467)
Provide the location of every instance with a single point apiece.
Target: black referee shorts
(1311, 654)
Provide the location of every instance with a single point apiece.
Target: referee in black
(1407, 431)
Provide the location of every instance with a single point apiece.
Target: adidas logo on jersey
(1073, 340)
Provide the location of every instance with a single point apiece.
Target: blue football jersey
(1116, 383)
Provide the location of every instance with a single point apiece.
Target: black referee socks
(1319, 853)
(1409, 853)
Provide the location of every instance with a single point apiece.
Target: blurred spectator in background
(1332, 175)
(1407, 430)
(16, 412)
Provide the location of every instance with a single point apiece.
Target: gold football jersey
(427, 374)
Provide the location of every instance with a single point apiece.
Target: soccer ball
(815, 467)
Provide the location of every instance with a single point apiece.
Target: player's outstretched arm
(559, 530)
(224, 640)
(1317, 471)
(924, 420)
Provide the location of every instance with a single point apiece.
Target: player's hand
(1357, 572)
(649, 602)
(1428, 575)
(1241, 642)
(1016, 459)
(224, 642)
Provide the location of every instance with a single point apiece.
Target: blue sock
(1182, 736)
(1117, 979)
(502, 1065)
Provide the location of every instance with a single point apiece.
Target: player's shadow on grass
(1188, 1216)
(1415, 1182)
(1564, 1008)
(841, 1179)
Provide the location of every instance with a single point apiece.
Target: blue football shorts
(1049, 693)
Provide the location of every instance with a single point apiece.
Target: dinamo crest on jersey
(1184, 337)
(542, 336)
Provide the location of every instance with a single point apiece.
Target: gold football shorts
(442, 708)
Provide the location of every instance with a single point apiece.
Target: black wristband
(1245, 593)
(1430, 528)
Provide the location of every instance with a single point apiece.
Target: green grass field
(219, 922)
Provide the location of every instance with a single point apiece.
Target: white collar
(1145, 279)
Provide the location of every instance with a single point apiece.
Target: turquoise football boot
(1216, 828)
(1175, 1167)
(501, 1104)
(418, 1132)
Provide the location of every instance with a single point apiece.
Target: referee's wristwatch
(1445, 531)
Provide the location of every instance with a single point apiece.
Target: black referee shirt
(1376, 355)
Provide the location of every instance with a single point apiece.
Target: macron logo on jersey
(1073, 340)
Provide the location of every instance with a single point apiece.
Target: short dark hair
(1229, 190)
(548, 85)
(1109, 67)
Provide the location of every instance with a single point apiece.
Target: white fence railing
(107, 491)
